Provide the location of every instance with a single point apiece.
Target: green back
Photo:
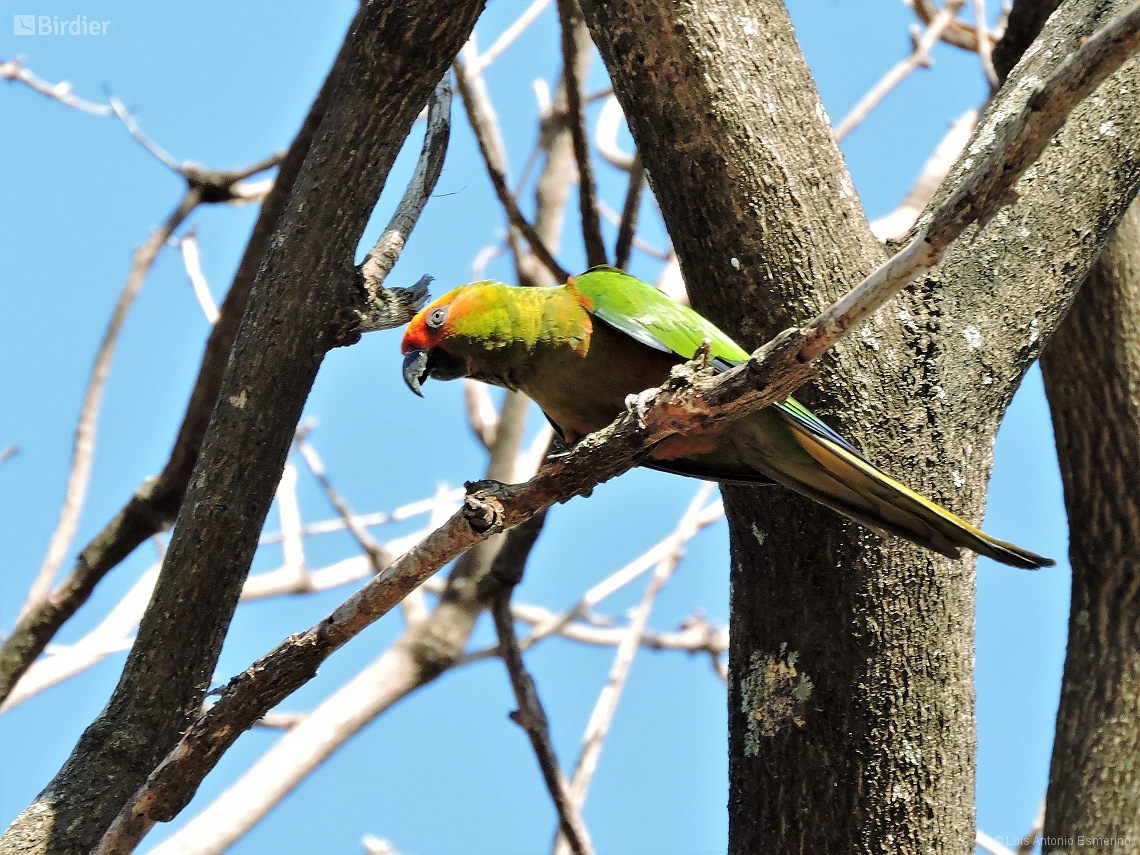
(642, 312)
(646, 314)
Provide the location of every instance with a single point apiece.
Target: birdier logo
(51, 25)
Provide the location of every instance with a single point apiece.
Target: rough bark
(851, 698)
(303, 302)
(1092, 377)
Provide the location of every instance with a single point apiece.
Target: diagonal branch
(382, 257)
(531, 717)
(14, 70)
(476, 103)
(83, 451)
(627, 229)
(576, 40)
(918, 57)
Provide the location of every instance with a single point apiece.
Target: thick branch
(1092, 377)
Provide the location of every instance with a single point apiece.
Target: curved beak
(415, 369)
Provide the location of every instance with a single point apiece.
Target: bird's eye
(436, 318)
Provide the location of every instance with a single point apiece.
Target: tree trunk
(302, 303)
(1092, 377)
(851, 722)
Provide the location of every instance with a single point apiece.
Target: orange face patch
(419, 335)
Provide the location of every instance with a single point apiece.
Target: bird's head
(424, 353)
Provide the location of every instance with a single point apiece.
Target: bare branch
(192, 260)
(531, 717)
(602, 716)
(377, 554)
(14, 70)
(404, 512)
(8, 453)
(918, 57)
(610, 122)
(958, 34)
(83, 451)
(482, 62)
(613, 217)
(628, 227)
(576, 46)
(985, 46)
(481, 115)
(158, 152)
(390, 244)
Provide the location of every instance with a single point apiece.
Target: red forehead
(417, 336)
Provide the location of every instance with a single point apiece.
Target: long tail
(791, 446)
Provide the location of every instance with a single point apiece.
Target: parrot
(579, 349)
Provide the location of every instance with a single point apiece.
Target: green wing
(643, 313)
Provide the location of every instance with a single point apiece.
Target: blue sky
(445, 771)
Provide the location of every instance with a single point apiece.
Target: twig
(217, 185)
(531, 717)
(630, 209)
(159, 153)
(482, 62)
(613, 583)
(192, 260)
(404, 512)
(919, 56)
(576, 40)
(8, 453)
(482, 416)
(615, 218)
(602, 716)
(692, 397)
(112, 635)
(377, 554)
(958, 34)
(280, 720)
(412, 606)
(382, 257)
(610, 121)
(985, 46)
(480, 114)
(84, 448)
(14, 70)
